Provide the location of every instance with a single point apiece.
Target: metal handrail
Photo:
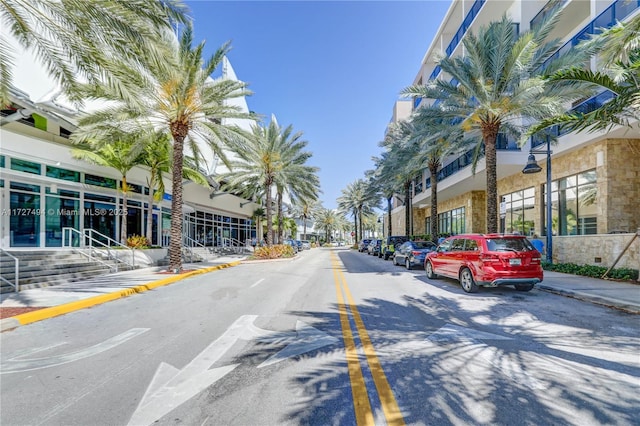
(96, 244)
(16, 275)
(89, 255)
(89, 232)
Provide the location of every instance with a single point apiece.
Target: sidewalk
(65, 298)
(59, 300)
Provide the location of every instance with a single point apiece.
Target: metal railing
(16, 275)
(94, 246)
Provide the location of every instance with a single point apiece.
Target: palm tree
(121, 154)
(254, 172)
(400, 164)
(328, 221)
(437, 140)
(358, 199)
(157, 158)
(182, 98)
(304, 209)
(619, 56)
(496, 86)
(294, 176)
(58, 32)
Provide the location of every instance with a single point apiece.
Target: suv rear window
(509, 244)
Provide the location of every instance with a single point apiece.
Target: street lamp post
(533, 167)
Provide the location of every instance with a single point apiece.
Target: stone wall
(600, 250)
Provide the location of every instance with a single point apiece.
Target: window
(99, 181)
(25, 166)
(574, 204)
(471, 245)
(64, 174)
(457, 245)
(452, 222)
(2, 161)
(520, 214)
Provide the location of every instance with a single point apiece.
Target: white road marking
(257, 282)
(15, 364)
(171, 387)
(307, 339)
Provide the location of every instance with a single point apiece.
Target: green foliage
(138, 242)
(624, 274)
(278, 251)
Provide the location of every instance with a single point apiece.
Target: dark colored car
(488, 260)
(299, 244)
(412, 253)
(374, 247)
(389, 245)
(362, 245)
(291, 243)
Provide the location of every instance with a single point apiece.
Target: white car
(306, 245)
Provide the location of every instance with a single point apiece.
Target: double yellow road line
(363, 412)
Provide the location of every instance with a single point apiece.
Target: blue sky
(333, 70)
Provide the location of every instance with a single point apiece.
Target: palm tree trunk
(123, 216)
(433, 170)
(407, 208)
(280, 214)
(489, 135)
(269, 215)
(389, 208)
(355, 225)
(175, 245)
(360, 221)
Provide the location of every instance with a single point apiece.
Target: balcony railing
(545, 11)
(468, 20)
(618, 11)
(503, 143)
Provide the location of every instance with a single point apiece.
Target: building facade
(44, 190)
(595, 186)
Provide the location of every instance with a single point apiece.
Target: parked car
(363, 244)
(389, 245)
(299, 244)
(306, 245)
(489, 260)
(291, 243)
(374, 247)
(412, 253)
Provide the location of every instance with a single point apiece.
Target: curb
(54, 311)
(598, 300)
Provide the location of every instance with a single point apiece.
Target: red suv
(489, 260)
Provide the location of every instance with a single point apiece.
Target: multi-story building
(44, 189)
(595, 176)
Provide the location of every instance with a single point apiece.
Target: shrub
(138, 242)
(593, 271)
(277, 251)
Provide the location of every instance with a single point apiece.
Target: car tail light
(536, 260)
(490, 258)
(416, 253)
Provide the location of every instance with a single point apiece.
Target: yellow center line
(387, 399)
(362, 407)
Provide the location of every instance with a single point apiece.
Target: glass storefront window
(520, 216)
(24, 219)
(61, 213)
(575, 204)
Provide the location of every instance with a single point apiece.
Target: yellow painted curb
(55, 311)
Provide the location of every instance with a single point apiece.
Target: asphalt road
(334, 337)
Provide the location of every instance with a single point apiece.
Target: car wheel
(466, 280)
(524, 287)
(429, 269)
(407, 264)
